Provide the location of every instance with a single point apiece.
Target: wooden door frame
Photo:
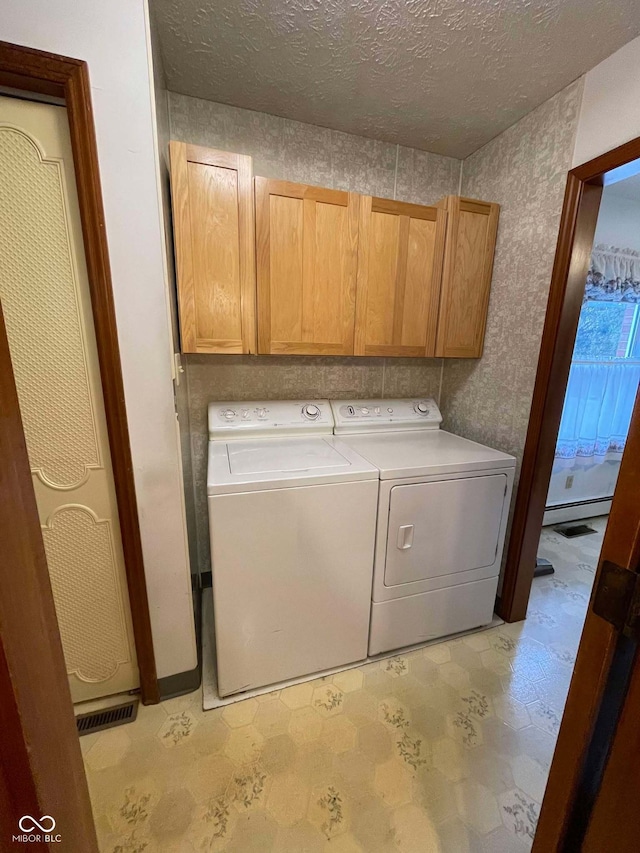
(595, 703)
(573, 252)
(49, 74)
(41, 768)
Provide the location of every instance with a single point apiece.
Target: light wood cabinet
(306, 250)
(302, 270)
(213, 224)
(466, 282)
(400, 255)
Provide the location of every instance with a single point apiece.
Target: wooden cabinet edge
(454, 205)
(263, 277)
(182, 245)
(180, 153)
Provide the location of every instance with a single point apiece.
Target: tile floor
(445, 749)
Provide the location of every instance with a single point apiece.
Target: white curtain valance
(614, 275)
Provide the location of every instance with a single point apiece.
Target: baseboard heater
(576, 510)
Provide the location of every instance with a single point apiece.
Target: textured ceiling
(441, 75)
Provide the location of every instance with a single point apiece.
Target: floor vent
(573, 530)
(99, 720)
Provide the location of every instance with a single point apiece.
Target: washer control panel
(352, 416)
(261, 417)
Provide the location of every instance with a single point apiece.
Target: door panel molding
(63, 77)
(41, 768)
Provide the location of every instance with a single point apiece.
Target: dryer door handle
(405, 537)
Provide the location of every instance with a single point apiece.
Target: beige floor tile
(240, 713)
(244, 745)
(349, 680)
(288, 799)
(305, 725)
(444, 749)
(109, 749)
(297, 696)
(338, 734)
(414, 831)
(302, 837)
(477, 806)
(393, 783)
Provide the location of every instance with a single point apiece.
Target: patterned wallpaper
(300, 152)
(524, 170)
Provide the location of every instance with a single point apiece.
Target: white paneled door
(47, 308)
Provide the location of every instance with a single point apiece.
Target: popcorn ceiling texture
(300, 152)
(524, 170)
(443, 76)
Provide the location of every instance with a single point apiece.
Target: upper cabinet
(400, 254)
(306, 255)
(466, 282)
(324, 272)
(213, 223)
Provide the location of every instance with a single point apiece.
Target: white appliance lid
(283, 462)
(280, 455)
(426, 452)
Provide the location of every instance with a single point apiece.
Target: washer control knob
(228, 414)
(261, 412)
(421, 408)
(364, 410)
(311, 412)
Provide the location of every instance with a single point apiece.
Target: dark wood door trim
(47, 73)
(563, 801)
(575, 240)
(41, 768)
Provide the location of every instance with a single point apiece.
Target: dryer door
(443, 527)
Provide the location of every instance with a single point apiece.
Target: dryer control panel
(358, 416)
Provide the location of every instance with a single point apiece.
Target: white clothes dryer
(442, 514)
(292, 517)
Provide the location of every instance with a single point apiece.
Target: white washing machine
(292, 515)
(442, 515)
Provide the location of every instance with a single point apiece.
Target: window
(608, 330)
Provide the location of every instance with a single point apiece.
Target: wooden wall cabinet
(324, 272)
(400, 255)
(306, 257)
(213, 225)
(466, 281)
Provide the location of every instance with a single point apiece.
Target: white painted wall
(610, 110)
(618, 221)
(113, 38)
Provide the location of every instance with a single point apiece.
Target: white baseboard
(576, 512)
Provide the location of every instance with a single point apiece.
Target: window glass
(603, 331)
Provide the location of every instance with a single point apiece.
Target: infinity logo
(45, 824)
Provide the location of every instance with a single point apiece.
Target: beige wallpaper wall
(524, 170)
(299, 152)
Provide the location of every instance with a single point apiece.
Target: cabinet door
(400, 256)
(466, 281)
(213, 225)
(306, 245)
